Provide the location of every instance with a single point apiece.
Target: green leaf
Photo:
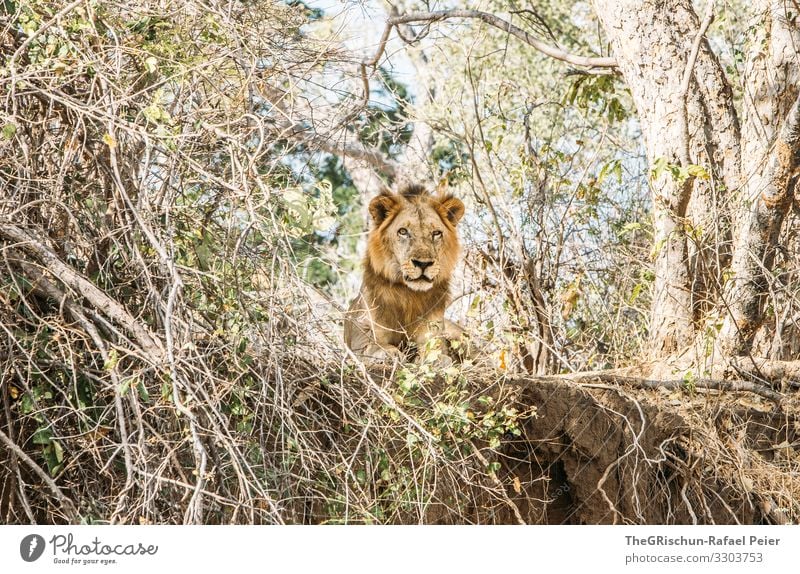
(613, 167)
(324, 222)
(156, 114)
(109, 140)
(43, 435)
(325, 210)
(697, 171)
(9, 130)
(474, 306)
(635, 292)
(58, 451)
(142, 391)
(659, 165)
(26, 404)
(657, 247)
(412, 438)
(53, 456)
(485, 400)
(629, 228)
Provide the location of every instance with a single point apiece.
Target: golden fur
(412, 250)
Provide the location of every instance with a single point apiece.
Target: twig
(14, 462)
(330, 143)
(775, 372)
(772, 510)
(42, 29)
(69, 507)
(501, 488)
(602, 63)
(492, 20)
(67, 275)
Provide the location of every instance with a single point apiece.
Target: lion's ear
(453, 208)
(381, 206)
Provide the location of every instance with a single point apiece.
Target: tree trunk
(771, 141)
(652, 42)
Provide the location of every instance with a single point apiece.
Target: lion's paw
(376, 355)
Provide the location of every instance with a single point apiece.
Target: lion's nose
(423, 265)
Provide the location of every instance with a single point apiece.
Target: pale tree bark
(652, 41)
(711, 112)
(771, 143)
(754, 171)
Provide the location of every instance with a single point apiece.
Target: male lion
(412, 250)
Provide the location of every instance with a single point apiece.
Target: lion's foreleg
(368, 343)
(370, 350)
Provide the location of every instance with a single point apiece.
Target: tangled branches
(156, 334)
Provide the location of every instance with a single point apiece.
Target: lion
(412, 249)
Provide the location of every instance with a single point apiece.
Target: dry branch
(680, 384)
(333, 143)
(150, 345)
(495, 21)
(63, 499)
(766, 370)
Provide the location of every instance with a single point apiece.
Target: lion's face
(414, 239)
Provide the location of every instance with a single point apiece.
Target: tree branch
(111, 308)
(770, 146)
(773, 372)
(300, 133)
(771, 189)
(354, 150)
(67, 504)
(642, 383)
(687, 79)
(492, 20)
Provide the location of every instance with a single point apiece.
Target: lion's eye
(403, 232)
(437, 234)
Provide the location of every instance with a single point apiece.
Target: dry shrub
(163, 361)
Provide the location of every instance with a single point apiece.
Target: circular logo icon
(31, 548)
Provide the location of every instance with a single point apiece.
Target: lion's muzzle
(419, 274)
